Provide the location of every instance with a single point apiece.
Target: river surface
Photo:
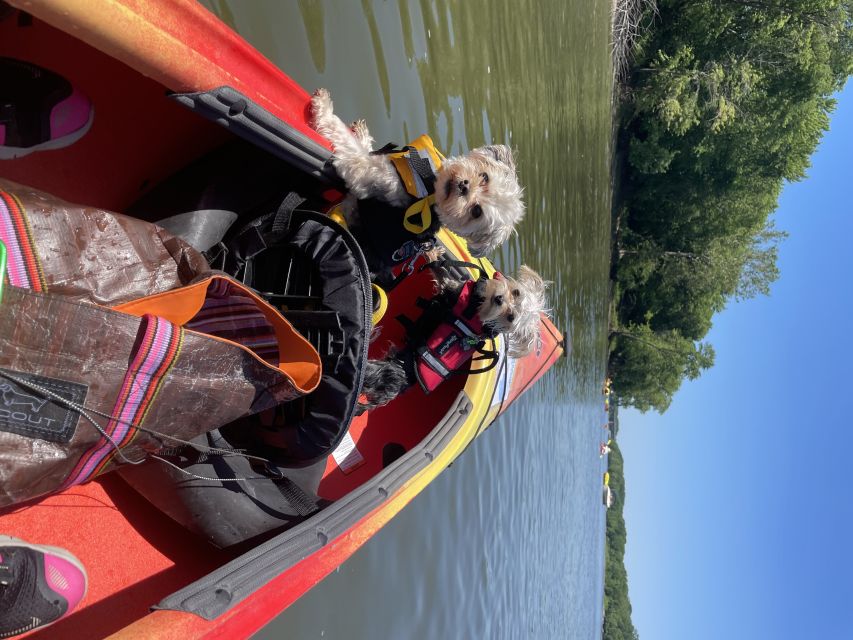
(508, 542)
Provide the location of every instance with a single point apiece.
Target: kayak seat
(311, 269)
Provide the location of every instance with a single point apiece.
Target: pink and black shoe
(39, 110)
(38, 585)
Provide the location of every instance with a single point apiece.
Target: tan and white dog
(504, 305)
(477, 195)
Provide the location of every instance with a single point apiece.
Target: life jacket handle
(390, 147)
(486, 354)
(441, 262)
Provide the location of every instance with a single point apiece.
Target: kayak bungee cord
(85, 413)
(198, 477)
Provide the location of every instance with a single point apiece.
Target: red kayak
(172, 87)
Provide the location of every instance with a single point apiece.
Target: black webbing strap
(407, 322)
(447, 262)
(236, 257)
(242, 251)
(296, 497)
(391, 147)
(472, 307)
(486, 354)
(423, 168)
(421, 165)
(281, 222)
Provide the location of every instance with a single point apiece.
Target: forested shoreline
(719, 103)
(722, 102)
(617, 607)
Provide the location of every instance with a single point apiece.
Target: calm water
(508, 542)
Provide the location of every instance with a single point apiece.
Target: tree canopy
(725, 101)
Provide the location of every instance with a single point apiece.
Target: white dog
(477, 196)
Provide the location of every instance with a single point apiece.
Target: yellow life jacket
(391, 234)
(417, 165)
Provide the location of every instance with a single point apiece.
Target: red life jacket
(452, 343)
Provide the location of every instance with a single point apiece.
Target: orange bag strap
(190, 307)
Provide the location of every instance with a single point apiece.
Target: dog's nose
(463, 187)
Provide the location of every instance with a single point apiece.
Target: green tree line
(617, 606)
(724, 102)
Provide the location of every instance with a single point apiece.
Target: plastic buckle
(405, 251)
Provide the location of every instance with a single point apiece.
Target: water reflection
(313, 20)
(507, 542)
(378, 54)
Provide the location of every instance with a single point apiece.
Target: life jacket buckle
(410, 251)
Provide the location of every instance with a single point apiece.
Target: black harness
(383, 234)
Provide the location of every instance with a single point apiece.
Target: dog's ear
(499, 152)
(533, 302)
(483, 241)
(534, 284)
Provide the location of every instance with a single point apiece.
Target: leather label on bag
(26, 411)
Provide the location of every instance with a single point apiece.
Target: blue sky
(738, 499)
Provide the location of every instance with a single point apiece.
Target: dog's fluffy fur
(477, 195)
(508, 305)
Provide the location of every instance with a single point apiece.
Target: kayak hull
(135, 556)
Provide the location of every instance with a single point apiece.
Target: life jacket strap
(485, 354)
(387, 149)
(444, 263)
(465, 329)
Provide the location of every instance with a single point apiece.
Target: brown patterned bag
(114, 337)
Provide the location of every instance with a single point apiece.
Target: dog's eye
(516, 292)
(499, 300)
(510, 317)
(485, 177)
(476, 211)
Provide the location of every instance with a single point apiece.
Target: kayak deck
(134, 556)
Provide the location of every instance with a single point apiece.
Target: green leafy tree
(648, 366)
(727, 100)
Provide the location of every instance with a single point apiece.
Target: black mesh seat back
(313, 270)
(316, 274)
(327, 298)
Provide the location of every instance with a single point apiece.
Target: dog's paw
(434, 254)
(359, 127)
(321, 107)
(362, 135)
